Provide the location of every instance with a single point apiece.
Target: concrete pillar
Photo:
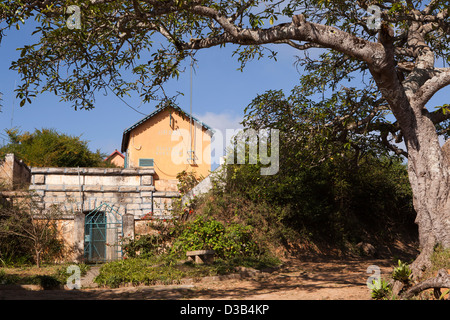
(78, 237)
(128, 226)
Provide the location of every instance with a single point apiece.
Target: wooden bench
(201, 256)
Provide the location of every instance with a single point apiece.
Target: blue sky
(220, 94)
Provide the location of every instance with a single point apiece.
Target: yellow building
(116, 158)
(170, 141)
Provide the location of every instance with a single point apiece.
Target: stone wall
(77, 191)
(14, 173)
(128, 191)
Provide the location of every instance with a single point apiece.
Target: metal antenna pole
(190, 114)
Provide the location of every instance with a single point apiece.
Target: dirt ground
(295, 280)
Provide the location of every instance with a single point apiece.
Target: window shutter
(145, 162)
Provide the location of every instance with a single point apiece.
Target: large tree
(49, 148)
(395, 46)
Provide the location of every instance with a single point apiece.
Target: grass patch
(45, 281)
(47, 277)
(165, 269)
(440, 259)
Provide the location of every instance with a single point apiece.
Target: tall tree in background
(392, 49)
(49, 148)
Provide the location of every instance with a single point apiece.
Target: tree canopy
(49, 148)
(329, 180)
(396, 52)
(151, 38)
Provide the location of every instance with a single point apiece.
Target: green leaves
(445, 108)
(249, 53)
(402, 272)
(382, 289)
(48, 148)
(228, 241)
(120, 36)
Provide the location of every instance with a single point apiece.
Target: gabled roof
(112, 154)
(126, 133)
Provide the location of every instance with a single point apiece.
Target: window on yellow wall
(143, 162)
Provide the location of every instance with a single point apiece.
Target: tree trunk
(38, 258)
(429, 178)
(427, 166)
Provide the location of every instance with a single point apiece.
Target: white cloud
(220, 123)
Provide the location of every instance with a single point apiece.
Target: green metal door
(102, 234)
(95, 236)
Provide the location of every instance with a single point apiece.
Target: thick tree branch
(442, 280)
(397, 150)
(430, 7)
(298, 46)
(431, 86)
(385, 129)
(225, 22)
(423, 67)
(298, 30)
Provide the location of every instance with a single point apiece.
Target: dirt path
(335, 280)
(296, 280)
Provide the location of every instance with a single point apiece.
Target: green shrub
(338, 202)
(147, 245)
(209, 234)
(402, 273)
(381, 289)
(142, 245)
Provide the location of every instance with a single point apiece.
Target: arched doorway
(102, 234)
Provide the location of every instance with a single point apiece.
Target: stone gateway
(100, 206)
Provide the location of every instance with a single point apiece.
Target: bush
(158, 242)
(143, 245)
(23, 234)
(187, 181)
(381, 289)
(209, 234)
(332, 202)
(402, 273)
